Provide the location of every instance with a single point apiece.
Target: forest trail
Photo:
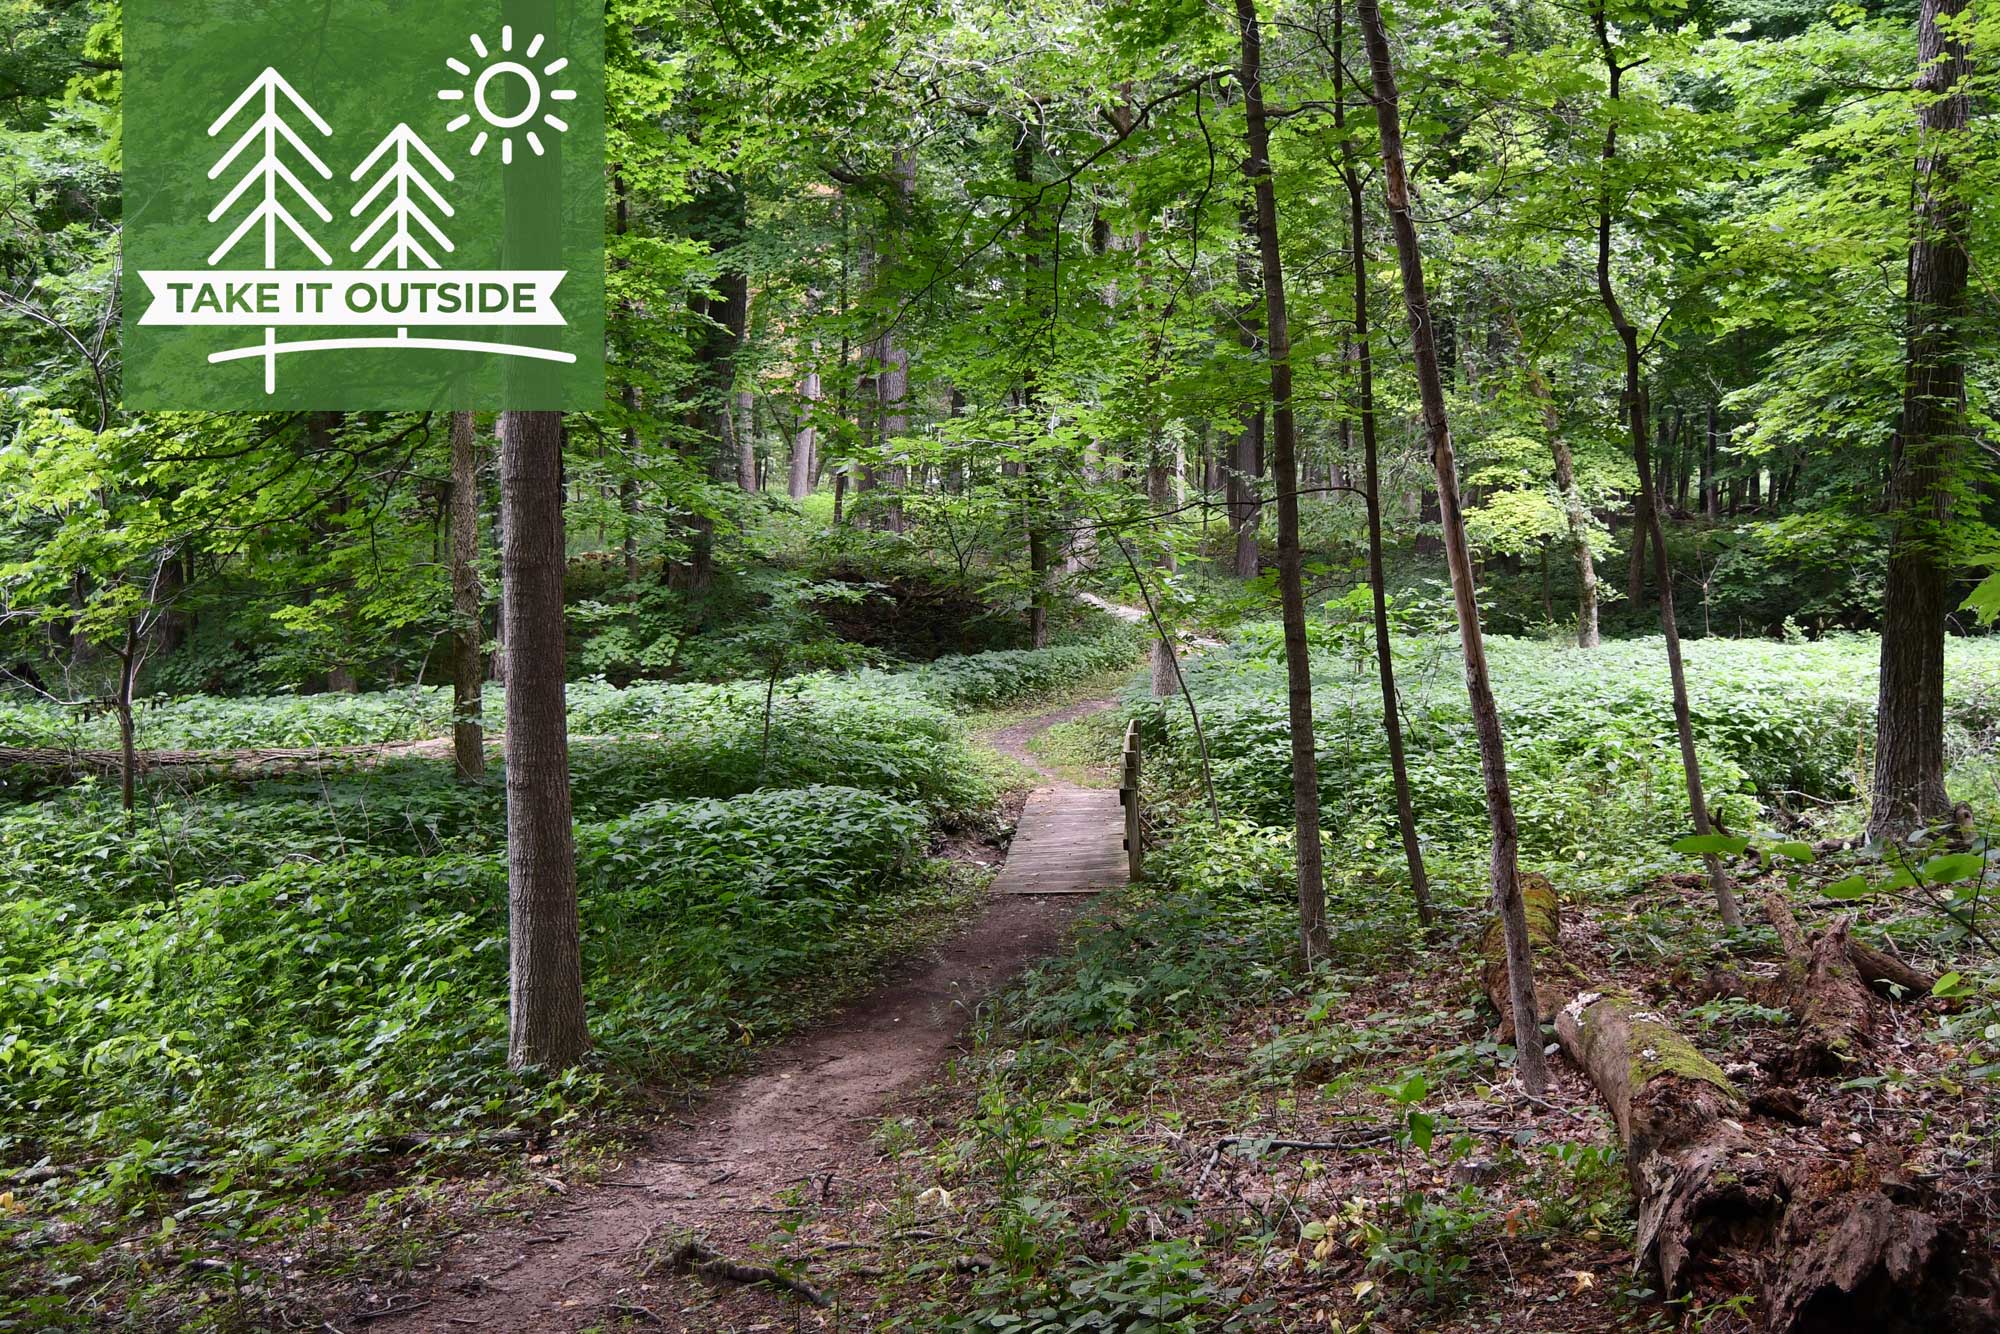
(729, 1170)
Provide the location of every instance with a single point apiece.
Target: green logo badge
(364, 204)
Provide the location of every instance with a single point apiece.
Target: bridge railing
(1128, 797)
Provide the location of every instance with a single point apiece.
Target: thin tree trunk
(805, 442)
(1530, 1063)
(545, 992)
(1285, 477)
(1385, 662)
(1637, 418)
(468, 735)
(746, 440)
(1909, 790)
(1709, 505)
(1576, 515)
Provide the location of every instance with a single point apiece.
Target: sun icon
(498, 68)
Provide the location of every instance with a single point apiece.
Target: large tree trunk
(1532, 1068)
(1637, 419)
(468, 668)
(1285, 477)
(1908, 790)
(1364, 359)
(545, 993)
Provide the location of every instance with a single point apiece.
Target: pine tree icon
(270, 170)
(404, 208)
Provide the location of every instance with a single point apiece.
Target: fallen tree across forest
(1829, 1236)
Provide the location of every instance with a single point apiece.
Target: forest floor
(795, 1133)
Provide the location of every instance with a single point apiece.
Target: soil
(798, 1130)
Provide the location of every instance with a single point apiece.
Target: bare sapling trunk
(1364, 358)
(468, 669)
(1160, 494)
(1530, 1063)
(1285, 478)
(545, 993)
(1908, 791)
(1636, 414)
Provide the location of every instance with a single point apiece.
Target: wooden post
(1128, 797)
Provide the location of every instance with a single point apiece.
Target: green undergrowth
(252, 994)
(1782, 729)
(208, 722)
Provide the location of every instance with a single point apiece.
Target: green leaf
(1853, 887)
(1952, 867)
(1798, 852)
(1701, 845)
(1951, 984)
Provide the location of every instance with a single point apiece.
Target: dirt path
(730, 1171)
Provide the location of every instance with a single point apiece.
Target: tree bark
(1576, 515)
(1637, 418)
(1507, 903)
(545, 992)
(806, 441)
(468, 669)
(1285, 477)
(1364, 359)
(1908, 790)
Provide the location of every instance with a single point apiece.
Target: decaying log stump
(1827, 1244)
(1555, 981)
(1836, 1013)
(1703, 1188)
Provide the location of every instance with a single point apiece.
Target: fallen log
(1825, 1244)
(1703, 1189)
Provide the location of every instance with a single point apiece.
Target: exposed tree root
(692, 1257)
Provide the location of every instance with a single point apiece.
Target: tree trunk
(1246, 466)
(1642, 530)
(1576, 515)
(1160, 494)
(468, 670)
(1909, 790)
(545, 993)
(1285, 478)
(1530, 1064)
(803, 444)
(1709, 506)
(1636, 417)
(746, 440)
(1364, 358)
